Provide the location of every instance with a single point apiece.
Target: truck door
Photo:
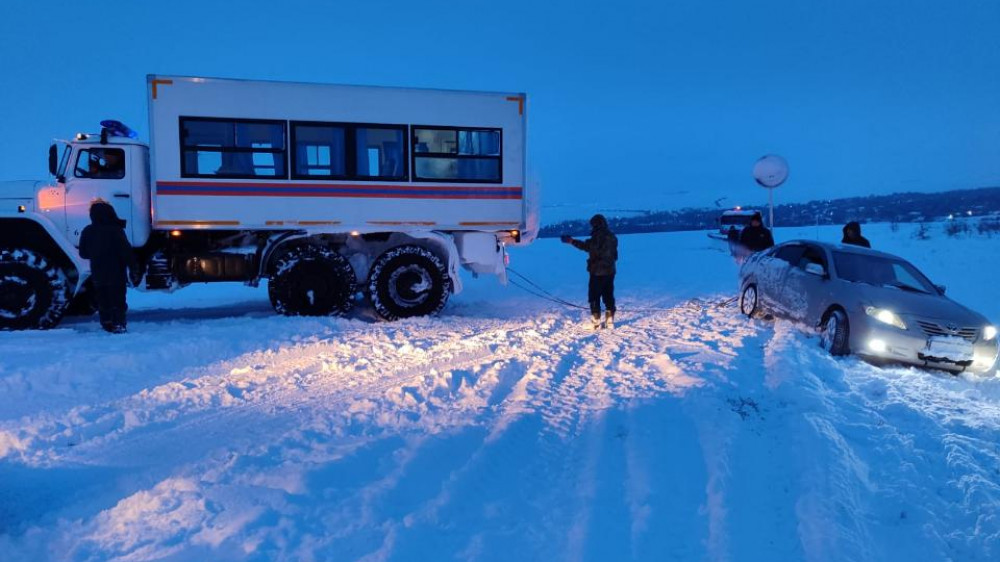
(97, 172)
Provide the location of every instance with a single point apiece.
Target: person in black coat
(602, 253)
(756, 237)
(103, 242)
(852, 235)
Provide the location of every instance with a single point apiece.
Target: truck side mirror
(940, 288)
(53, 159)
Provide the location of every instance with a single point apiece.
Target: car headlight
(885, 316)
(989, 332)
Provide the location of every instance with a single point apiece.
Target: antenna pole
(770, 204)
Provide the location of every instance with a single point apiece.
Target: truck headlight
(989, 332)
(885, 316)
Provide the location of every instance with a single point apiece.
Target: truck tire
(408, 281)
(311, 281)
(34, 292)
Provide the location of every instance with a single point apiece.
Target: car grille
(933, 329)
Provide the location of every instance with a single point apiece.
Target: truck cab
(99, 167)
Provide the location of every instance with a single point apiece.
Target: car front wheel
(835, 332)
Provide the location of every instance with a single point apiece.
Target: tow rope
(538, 291)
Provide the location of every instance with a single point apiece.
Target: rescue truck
(327, 192)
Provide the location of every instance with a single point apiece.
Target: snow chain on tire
(34, 292)
(408, 281)
(311, 281)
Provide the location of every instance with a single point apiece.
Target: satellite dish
(770, 171)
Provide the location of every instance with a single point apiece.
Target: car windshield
(881, 272)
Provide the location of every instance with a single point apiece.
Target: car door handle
(122, 195)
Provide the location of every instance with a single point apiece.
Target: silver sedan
(872, 304)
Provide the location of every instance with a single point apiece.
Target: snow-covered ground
(500, 430)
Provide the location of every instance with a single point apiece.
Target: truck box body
(233, 154)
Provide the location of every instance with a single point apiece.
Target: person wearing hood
(756, 237)
(103, 242)
(602, 253)
(852, 235)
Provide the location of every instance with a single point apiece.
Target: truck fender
(35, 231)
(266, 252)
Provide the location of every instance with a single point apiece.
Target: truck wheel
(408, 281)
(311, 281)
(34, 292)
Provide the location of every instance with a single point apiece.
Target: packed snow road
(501, 429)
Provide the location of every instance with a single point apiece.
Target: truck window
(64, 161)
(319, 151)
(737, 220)
(348, 151)
(457, 154)
(379, 152)
(232, 148)
(100, 163)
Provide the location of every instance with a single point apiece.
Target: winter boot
(597, 321)
(609, 320)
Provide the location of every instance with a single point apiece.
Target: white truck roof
(270, 155)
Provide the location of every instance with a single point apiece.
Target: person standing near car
(104, 243)
(602, 253)
(756, 237)
(852, 235)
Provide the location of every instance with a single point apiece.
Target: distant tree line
(894, 208)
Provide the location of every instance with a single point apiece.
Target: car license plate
(949, 347)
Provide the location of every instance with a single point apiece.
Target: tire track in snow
(552, 375)
(264, 383)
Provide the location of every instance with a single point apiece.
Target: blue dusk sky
(652, 105)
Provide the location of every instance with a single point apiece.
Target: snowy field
(501, 430)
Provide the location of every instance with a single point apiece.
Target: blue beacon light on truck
(118, 129)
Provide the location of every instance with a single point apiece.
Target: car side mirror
(940, 288)
(815, 269)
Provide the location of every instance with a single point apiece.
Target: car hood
(932, 307)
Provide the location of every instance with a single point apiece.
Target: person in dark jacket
(733, 239)
(732, 235)
(852, 235)
(756, 237)
(602, 253)
(103, 242)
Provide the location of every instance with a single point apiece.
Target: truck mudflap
(482, 253)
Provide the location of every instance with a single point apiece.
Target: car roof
(845, 248)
